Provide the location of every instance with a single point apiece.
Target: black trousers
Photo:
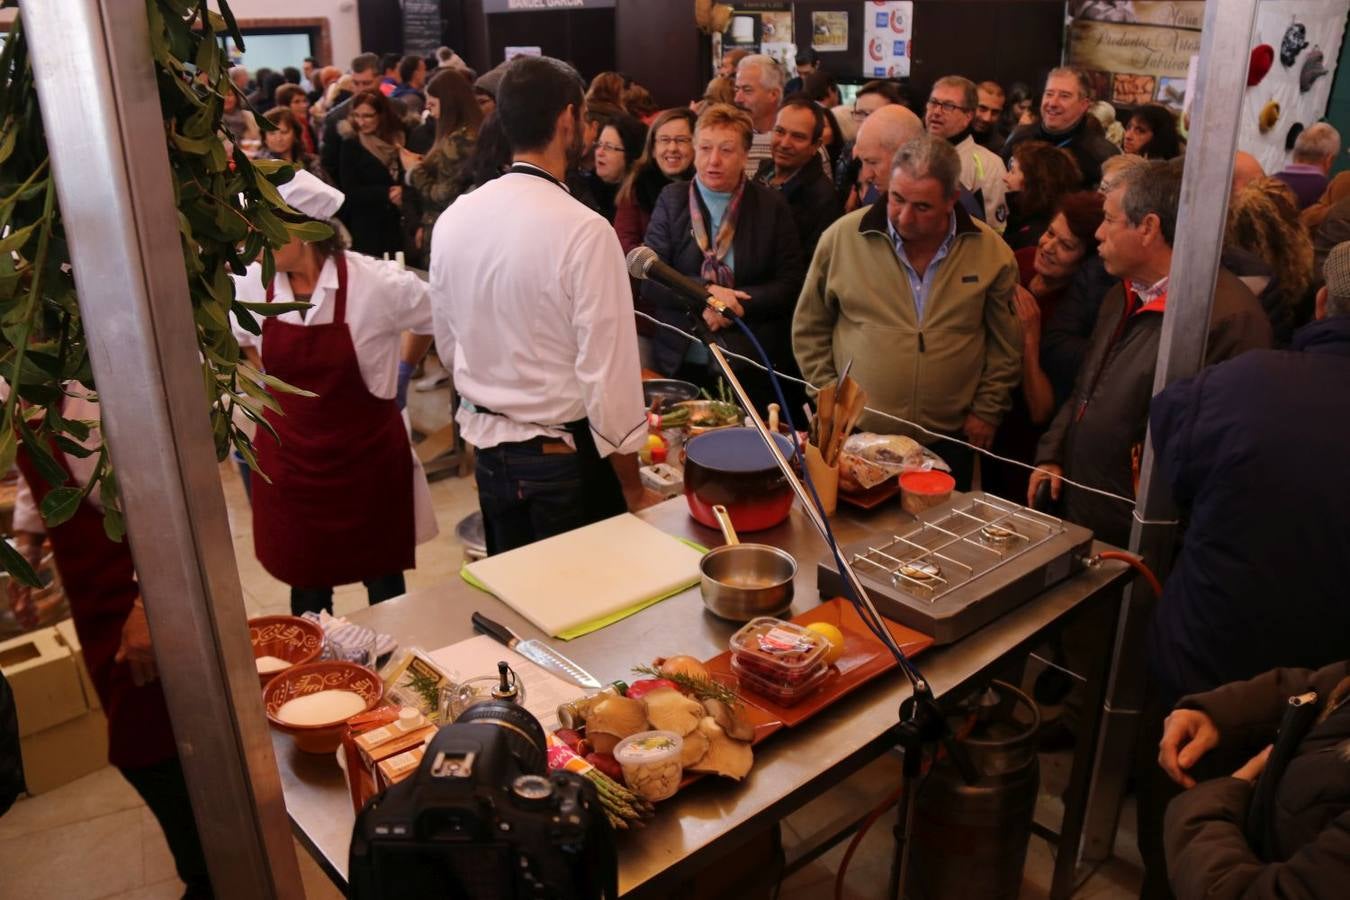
(163, 789)
(316, 599)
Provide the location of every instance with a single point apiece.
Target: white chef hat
(310, 195)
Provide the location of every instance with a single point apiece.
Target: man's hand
(1254, 766)
(135, 649)
(1188, 734)
(979, 432)
(396, 195)
(21, 603)
(1045, 472)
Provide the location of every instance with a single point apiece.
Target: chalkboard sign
(421, 26)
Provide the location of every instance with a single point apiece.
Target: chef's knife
(536, 652)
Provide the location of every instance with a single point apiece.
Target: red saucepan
(732, 467)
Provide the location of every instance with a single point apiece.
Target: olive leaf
(229, 216)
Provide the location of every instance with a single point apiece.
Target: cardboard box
(68, 751)
(65, 630)
(45, 678)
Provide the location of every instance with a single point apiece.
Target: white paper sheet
(479, 656)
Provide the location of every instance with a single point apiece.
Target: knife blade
(537, 652)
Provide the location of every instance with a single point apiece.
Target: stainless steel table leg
(1105, 611)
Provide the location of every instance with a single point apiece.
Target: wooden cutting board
(587, 574)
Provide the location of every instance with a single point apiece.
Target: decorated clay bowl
(296, 640)
(310, 678)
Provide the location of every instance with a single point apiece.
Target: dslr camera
(483, 818)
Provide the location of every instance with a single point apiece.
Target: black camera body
(484, 819)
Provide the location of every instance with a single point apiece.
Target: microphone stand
(922, 726)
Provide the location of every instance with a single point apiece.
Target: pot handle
(724, 520)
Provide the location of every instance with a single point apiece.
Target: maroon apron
(339, 507)
(99, 578)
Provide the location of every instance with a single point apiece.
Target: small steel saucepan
(742, 581)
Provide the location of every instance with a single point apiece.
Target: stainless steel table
(791, 768)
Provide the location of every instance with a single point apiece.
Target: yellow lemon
(832, 634)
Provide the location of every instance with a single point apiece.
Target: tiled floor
(94, 838)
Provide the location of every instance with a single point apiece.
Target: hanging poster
(1136, 51)
(829, 32)
(888, 33)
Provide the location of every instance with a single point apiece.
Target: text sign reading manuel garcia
(503, 6)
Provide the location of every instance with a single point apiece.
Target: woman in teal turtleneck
(737, 238)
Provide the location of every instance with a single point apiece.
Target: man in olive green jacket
(919, 296)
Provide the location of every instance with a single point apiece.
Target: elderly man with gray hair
(917, 293)
(759, 91)
(1098, 434)
(1315, 151)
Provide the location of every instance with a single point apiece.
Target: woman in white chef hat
(347, 499)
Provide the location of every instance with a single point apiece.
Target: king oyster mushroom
(725, 756)
(669, 710)
(612, 720)
(731, 719)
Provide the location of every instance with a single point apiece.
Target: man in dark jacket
(1259, 580)
(365, 77)
(1063, 123)
(1097, 436)
(797, 172)
(1279, 827)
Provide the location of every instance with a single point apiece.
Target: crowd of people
(991, 264)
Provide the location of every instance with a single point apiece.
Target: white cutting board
(588, 573)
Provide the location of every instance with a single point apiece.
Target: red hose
(1139, 566)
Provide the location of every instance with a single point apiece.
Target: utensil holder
(825, 478)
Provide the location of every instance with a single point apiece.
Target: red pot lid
(931, 482)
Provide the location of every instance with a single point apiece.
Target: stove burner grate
(936, 556)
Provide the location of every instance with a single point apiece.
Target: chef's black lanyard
(529, 169)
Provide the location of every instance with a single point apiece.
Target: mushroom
(694, 748)
(732, 759)
(669, 710)
(612, 720)
(731, 718)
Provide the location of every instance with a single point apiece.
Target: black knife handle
(493, 629)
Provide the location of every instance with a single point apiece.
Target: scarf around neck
(382, 150)
(715, 270)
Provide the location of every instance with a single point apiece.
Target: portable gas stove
(961, 564)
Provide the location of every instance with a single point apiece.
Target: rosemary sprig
(701, 687)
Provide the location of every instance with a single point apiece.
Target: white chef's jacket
(383, 301)
(982, 170)
(531, 300)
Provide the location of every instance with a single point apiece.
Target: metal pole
(100, 104)
(1225, 43)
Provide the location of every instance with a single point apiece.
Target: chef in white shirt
(348, 500)
(531, 300)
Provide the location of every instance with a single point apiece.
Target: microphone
(645, 265)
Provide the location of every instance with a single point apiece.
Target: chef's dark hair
(533, 92)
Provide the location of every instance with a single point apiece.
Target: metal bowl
(742, 581)
(670, 390)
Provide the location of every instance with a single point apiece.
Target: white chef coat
(383, 301)
(982, 170)
(531, 300)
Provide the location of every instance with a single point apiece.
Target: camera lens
(524, 735)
